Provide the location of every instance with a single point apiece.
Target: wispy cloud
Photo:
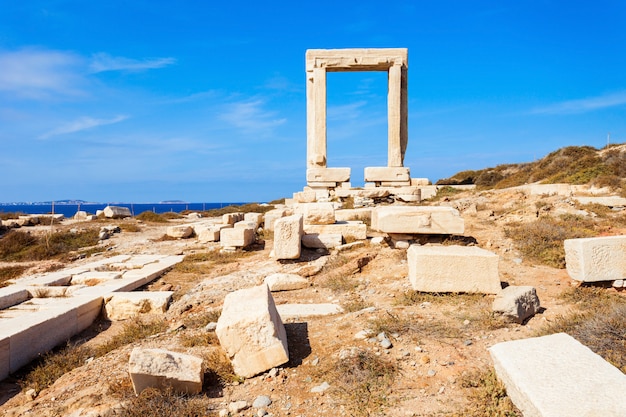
(82, 123)
(251, 117)
(102, 62)
(345, 111)
(583, 105)
(40, 74)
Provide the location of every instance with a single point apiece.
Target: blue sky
(204, 101)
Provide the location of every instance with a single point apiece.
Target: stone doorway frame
(320, 61)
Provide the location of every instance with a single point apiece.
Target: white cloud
(583, 105)
(102, 62)
(39, 74)
(250, 117)
(82, 123)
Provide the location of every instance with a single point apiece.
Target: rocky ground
(439, 342)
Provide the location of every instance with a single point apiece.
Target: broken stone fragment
(160, 368)
(251, 331)
(286, 282)
(517, 303)
(180, 231)
(115, 212)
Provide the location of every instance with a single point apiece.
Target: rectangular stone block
(237, 237)
(418, 182)
(251, 331)
(333, 175)
(160, 368)
(317, 213)
(418, 220)
(428, 191)
(232, 218)
(287, 235)
(361, 214)
(596, 258)
(557, 376)
(257, 218)
(12, 295)
(380, 174)
(322, 241)
(273, 215)
(305, 197)
(467, 269)
(349, 229)
(126, 305)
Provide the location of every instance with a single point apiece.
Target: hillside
(572, 165)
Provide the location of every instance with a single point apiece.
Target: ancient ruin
(320, 61)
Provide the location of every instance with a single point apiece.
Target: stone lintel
(379, 59)
(395, 183)
(335, 175)
(380, 174)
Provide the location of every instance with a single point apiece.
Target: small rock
(30, 394)
(261, 401)
(424, 360)
(210, 327)
(432, 372)
(237, 406)
(261, 412)
(315, 361)
(321, 388)
(223, 413)
(467, 342)
(363, 334)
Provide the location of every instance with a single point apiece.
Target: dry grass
(244, 208)
(130, 227)
(23, 246)
(198, 338)
(598, 322)
(203, 262)
(487, 396)
(151, 217)
(10, 272)
(572, 165)
(46, 370)
(542, 239)
(198, 321)
(360, 383)
(156, 402)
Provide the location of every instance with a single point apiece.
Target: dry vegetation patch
(24, 246)
(598, 321)
(542, 239)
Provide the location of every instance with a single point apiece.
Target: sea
(69, 209)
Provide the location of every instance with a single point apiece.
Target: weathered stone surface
(287, 236)
(361, 214)
(232, 218)
(596, 258)
(160, 368)
(305, 197)
(317, 213)
(295, 311)
(333, 175)
(181, 231)
(453, 269)
(251, 331)
(374, 192)
(126, 305)
(322, 241)
(556, 376)
(116, 212)
(517, 303)
(257, 218)
(428, 191)
(273, 215)
(351, 229)
(237, 237)
(380, 174)
(286, 282)
(417, 219)
(210, 233)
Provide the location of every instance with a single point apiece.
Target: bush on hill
(571, 165)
